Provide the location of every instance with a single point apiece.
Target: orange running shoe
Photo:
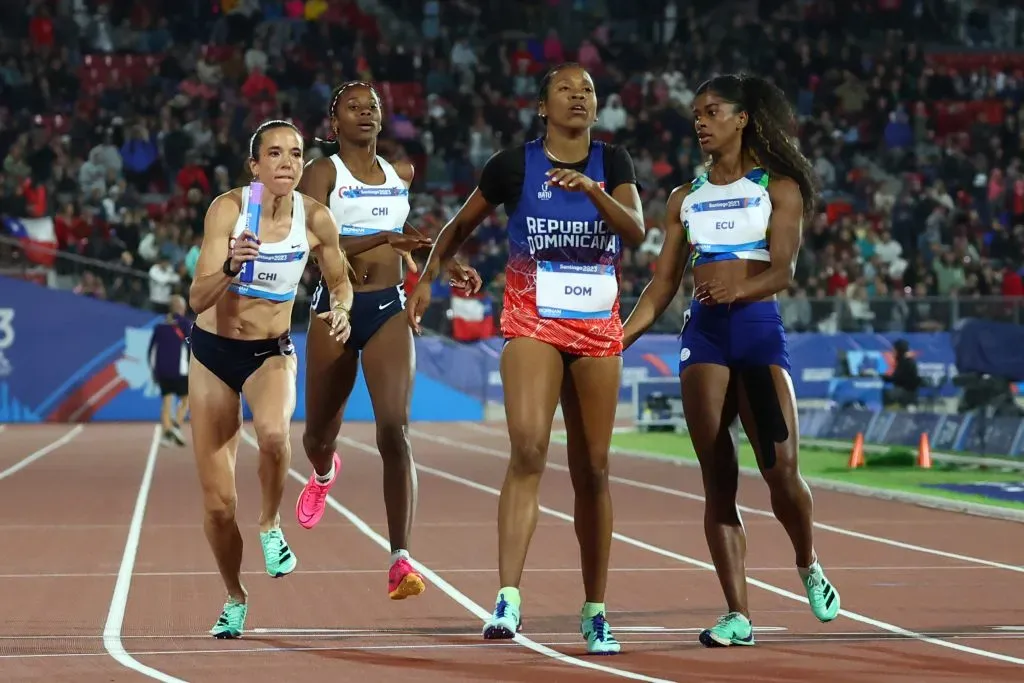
(404, 581)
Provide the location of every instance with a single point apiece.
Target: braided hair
(769, 134)
(330, 144)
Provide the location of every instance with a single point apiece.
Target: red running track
(112, 580)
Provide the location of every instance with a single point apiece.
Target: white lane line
(884, 626)
(486, 570)
(457, 595)
(754, 511)
(42, 452)
(119, 600)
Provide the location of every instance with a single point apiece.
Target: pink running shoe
(403, 581)
(309, 508)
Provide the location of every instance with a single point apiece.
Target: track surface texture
(108, 577)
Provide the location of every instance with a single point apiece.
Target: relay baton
(252, 224)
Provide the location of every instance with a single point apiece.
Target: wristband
(227, 268)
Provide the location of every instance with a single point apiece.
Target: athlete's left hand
(570, 180)
(341, 326)
(461, 276)
(711, 292)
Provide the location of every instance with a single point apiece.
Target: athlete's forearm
(206, 290)
(357, 245)
(335, 268)
(653, 301)
(342, 293)
(447, 245)
(777, 277)
(623, 221)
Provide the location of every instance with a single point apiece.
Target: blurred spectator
(122, 121)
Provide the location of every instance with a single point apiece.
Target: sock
(511, 595)
(807, 571)
(399, 555)
(592, 609)
(325, 478)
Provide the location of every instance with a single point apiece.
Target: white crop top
(725, 222)
(362, 209)
(278, 269)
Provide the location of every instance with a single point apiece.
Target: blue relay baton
(252, 224)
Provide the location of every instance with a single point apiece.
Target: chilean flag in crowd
(37, 236)
(472, 316)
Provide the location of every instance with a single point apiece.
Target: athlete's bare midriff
(730, 272)
(377, 268)
(243, 317)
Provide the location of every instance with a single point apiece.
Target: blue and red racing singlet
(562, 277)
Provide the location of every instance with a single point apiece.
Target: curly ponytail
(770, 132)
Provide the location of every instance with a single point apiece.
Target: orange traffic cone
(857, 452)
(924, 452)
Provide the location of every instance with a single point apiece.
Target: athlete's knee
(318, 442)
(393, 438)
(784, 475)
(721, 486)
(590, 477)
(528, 457)
(219, 505)
(272, 438)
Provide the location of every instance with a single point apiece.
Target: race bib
(575, 290)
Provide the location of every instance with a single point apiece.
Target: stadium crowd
(122, 119)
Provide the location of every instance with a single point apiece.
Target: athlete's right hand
(417, 304)
(406, 244)
(245, 248)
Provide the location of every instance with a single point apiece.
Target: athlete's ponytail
(330, 144)
(770, 132)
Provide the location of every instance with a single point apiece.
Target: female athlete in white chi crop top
(255, 246)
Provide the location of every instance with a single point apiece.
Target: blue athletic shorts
(234, 360)
(738, 335)
(370, 310)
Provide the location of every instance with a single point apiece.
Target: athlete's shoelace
(275, 541)
(726, 618)
(499, 609)
(318, 492)
(601, 630)
(816, 583)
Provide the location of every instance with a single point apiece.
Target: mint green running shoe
(279, 558)
(598, 634)
(821, 594)
(231, 621)
(730, 629)
(505, 622)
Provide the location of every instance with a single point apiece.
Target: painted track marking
(892, 628)
(42, 452)
(484, 450)
(458, 596)
(119, 600)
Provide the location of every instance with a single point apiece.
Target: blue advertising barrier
(69, 358)
(813, 356)
(656, 403)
